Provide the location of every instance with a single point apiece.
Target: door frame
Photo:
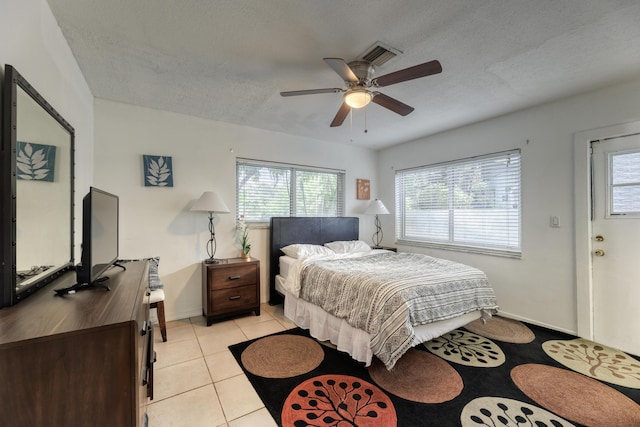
(582, 218)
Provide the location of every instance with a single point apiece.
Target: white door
(616, 243)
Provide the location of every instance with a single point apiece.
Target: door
(615, 230)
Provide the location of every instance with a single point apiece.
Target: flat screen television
(100, 218)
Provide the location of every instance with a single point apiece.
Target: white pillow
(301, 250)
(348, 246)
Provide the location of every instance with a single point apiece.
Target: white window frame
(293, 169)
(511, 250)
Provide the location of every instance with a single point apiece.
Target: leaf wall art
(158, 171)
(35, 162)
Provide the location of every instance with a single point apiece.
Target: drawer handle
(234, 277)
(234, 297)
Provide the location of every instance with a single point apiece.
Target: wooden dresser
(84, 359)
(230, 287)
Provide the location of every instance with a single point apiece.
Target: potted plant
(243, 238)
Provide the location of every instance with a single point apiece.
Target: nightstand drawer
(234, 276)
(233, 299)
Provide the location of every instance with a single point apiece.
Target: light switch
(554, 221)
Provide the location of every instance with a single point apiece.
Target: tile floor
(197, 380)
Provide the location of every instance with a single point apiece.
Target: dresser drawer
(233, 299)
(233, 276)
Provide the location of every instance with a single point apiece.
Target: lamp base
(377, 236)
(214, 261)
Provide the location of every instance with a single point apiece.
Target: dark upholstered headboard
(312, 230)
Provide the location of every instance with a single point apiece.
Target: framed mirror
(36, 217)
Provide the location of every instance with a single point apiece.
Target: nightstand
(230, 287)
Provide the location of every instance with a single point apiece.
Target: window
(470, 204)
(624, 183)
(264, 190)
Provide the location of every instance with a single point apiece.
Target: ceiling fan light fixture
(357, 98)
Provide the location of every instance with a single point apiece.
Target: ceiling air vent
(379, 53)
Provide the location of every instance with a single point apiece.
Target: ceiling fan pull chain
(351, 125)
(365, 121)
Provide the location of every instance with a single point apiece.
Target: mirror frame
(8, 189)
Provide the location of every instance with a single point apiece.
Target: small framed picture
(158, 171)
(363, 189)
(35, 162)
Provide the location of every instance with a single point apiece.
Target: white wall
(34, 45)
(157, 221)
(540, 287)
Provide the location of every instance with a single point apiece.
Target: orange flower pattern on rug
(596, 361)
(338, 400)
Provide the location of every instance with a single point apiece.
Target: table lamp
(210, 202)
(376, 207)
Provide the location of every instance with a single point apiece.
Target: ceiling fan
(358, 77)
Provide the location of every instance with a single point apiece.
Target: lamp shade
(376, 207)
(357, 98)
(210, 201)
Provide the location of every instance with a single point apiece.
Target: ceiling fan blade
(343, 70)
(341, 115)
(311, 91)
(415, 72)
(391, 104)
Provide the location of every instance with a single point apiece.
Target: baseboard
(535, 322)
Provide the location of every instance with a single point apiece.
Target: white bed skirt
(326, 327)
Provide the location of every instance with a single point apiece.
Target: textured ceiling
(228, 60)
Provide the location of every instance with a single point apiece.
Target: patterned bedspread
(386, 294)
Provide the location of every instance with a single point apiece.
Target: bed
(316, 309)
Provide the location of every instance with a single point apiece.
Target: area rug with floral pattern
(502, 373)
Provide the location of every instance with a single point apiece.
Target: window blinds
(624, 182)
(471, 203)
(264, 190)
